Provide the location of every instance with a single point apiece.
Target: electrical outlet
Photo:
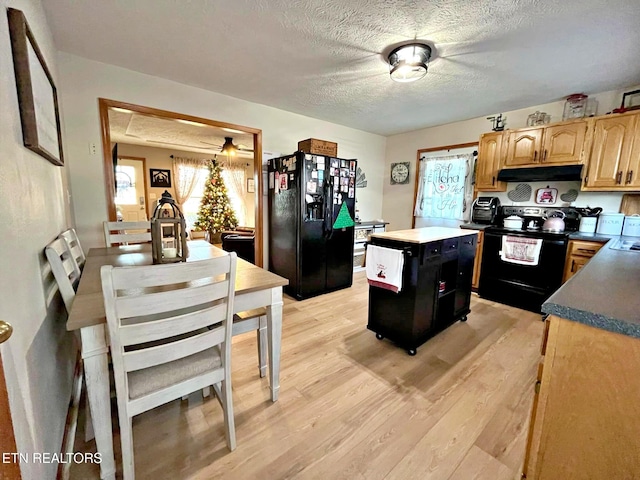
(93, 148)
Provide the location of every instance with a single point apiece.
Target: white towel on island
(384, 267)
(520, 250)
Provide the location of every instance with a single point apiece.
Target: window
(445, 186)
(126, 185)
(192, 205)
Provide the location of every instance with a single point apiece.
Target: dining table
(255, 288)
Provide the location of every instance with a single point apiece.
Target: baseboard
(71, 423)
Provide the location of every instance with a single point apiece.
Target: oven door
(524, 286)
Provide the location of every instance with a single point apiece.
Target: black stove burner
(525, 232)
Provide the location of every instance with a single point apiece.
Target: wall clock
(400, 173)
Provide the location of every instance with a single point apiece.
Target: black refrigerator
(311, 211)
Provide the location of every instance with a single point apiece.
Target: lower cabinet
(579, 252)
(586, 415)
(436, 291)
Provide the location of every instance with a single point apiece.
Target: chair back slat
(123, 233)
(149, 331)
(157, 275)
(64, 270)
(171, 351)
(173, 300)
(73, 244)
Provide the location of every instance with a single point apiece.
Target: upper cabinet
(490, 152)
(614, 162)
(559, 144)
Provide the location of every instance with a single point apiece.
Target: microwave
(485, 210)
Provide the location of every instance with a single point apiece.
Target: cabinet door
(611, 151)
(466, 256)
(632, 176)
(488, 163)
(574, 264)
(563, 143)
(477, 261)
(525, 147)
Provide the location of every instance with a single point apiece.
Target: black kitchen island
(436, 285)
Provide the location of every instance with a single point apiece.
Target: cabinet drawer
(584, 249)
(450, 245)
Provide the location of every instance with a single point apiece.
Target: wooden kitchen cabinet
(586, 415)
(478, 261)
(558, 144)
(490, 154)
(579, 252)
(614, 159)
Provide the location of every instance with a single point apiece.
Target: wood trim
(427, 150)
(10, 470)
(105, 104)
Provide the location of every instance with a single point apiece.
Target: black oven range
(523, 266)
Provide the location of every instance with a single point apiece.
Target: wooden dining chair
(73, 245)
(65, 270)
(170, 328)
(123, 233)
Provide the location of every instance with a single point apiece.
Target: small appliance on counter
(588, 219)
(485, 210)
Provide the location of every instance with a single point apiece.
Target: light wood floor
(353, 407)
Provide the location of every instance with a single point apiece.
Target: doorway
(131, 189)
(254, 155)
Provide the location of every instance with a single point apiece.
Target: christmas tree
(215, 213)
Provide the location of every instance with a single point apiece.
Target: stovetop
(534, 217)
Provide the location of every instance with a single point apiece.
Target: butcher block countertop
(603, 294)
(424, 235)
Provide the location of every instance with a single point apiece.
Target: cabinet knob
(619, 177)
(535, 155)
(537, 387)
(629, 176)
(493, 180)
(544, 157)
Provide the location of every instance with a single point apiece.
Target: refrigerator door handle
(328, 210)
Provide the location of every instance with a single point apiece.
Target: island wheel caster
(463, 319)
(379, 337)
(412, 351)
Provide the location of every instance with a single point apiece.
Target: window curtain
(445, 187)
(186, 174)
(234, 179)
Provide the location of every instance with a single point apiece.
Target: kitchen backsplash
(609, 201)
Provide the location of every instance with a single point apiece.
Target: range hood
(540, 174)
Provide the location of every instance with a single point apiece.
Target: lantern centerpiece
(168, 232)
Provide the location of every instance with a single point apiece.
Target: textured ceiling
(129, 127)
(325, 58)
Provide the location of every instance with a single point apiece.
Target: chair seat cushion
(148, 380)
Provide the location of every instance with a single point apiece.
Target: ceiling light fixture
(228, 148)
(409, 63)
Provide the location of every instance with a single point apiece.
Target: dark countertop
(603, 294)
(592, 237)
(474, 226)
(370, 224)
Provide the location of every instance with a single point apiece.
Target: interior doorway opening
(204, 135)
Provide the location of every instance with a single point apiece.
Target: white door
(130, 191)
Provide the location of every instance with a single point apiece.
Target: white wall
(398, 199)
(84, 81)
(39, 358)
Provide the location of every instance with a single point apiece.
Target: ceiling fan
(229, 148)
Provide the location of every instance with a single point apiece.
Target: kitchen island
(586, 415)
(436, 284)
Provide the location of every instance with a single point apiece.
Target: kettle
(554, 224)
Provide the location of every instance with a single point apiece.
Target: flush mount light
(408, 63)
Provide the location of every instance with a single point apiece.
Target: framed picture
(251, 185)
(631, 100)
(546, 196)
(37, 94)
(160, 178)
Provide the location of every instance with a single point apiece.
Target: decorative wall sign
(37, 94)
(631, 100)
(160, 178)
(361, 178)
(546, 196)
(251, 185)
